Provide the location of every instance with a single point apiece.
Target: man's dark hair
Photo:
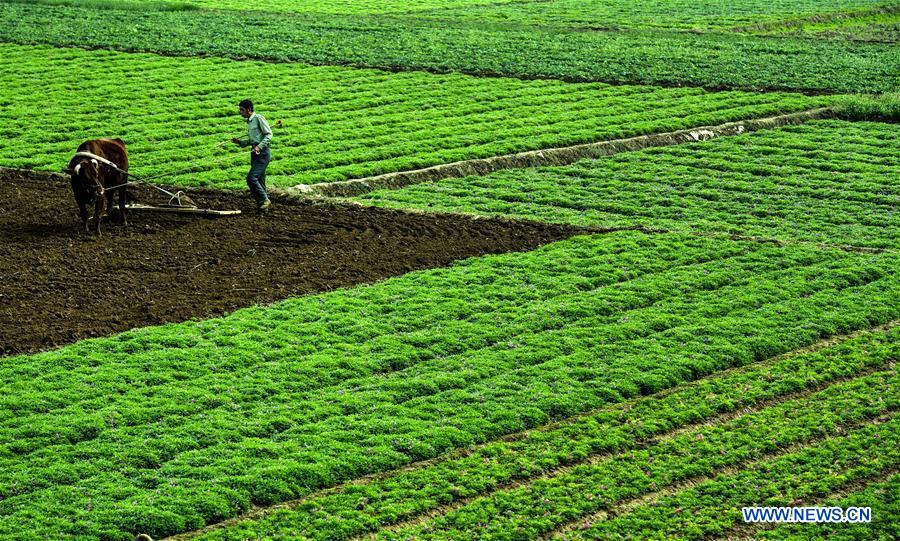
(246, 104)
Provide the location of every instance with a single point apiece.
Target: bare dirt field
(61, 284)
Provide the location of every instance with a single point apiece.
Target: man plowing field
(258, 137)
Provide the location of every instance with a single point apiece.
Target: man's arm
(266, 131)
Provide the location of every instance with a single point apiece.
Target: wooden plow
(179, 202)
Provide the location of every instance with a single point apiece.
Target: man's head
(246, 108)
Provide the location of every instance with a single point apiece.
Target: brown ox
(92, 178)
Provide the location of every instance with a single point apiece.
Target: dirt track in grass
(60, 284)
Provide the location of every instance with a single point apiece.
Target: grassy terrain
(165, 429)
(878, 25)
(881, 496)
(883, 107)
(577, 497)
(610, 459)
(343, 6)
(878, 29)
(339, 123)
(829, 181)
(114, 4)
(667, 14)
(360, 7)
(606, 14)
(610, 386)
(651, 56)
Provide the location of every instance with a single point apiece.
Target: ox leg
(109, 205)
(122, 217)
(82, 211)
(98, 210)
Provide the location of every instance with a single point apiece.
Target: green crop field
(553, 474)
(277, 6)
(867, 26)
(718, 328)
(339, 123)
(645, 56)
(828, 181)
(170, 428)
(343, 6)
(669, 14)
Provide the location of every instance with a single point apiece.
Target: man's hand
(256, 150)
(236, 140)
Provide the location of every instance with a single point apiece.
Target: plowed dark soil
(59, 284)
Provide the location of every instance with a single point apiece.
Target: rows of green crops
(339, 123)
(605, 14)
(361, 7)
(875, 27)
(342, 6)
(558, 477)
(668, 14)
(880, 495)
(165, 429)
(826, 181)
(745, 442)
(652, 56)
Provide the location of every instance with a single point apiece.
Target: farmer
(259, 136)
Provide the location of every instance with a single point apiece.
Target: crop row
(169, 428)
(881, 25)
(605, 14)
(825, 181)
(354, 7)
(881, 496)
(664, 14)
(563, 498)
(370, 505)
(648, 57)
(339, 123)
(714, 506)
(362, 7)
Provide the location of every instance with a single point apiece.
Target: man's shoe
(264, 206)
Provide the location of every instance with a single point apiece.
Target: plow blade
(182, 210)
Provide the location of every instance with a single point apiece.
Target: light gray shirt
(258, 131)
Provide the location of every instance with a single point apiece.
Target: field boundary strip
(550, 156)
(261, 512)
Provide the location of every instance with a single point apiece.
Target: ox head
(86, 176)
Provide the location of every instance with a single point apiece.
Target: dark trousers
(256, 178)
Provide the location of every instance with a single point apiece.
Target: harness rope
(173, 196)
